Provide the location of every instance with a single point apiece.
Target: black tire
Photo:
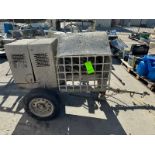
(45, 94)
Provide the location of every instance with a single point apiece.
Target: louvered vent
(18, 60)
(41, 60)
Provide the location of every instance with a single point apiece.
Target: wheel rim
(41, 107)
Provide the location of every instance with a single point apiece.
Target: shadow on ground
(69, 124)
(73, 124)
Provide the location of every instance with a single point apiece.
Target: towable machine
(77, 62)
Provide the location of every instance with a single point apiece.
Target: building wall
(150, 23)
(138, 22)
(103, 23)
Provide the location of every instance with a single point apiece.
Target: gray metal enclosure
(32, 62)
(76, 49)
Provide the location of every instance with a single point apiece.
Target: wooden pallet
(127, 66)
(148, 83)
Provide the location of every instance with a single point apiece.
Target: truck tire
(42, 104)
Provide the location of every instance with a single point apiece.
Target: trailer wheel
(42, 104)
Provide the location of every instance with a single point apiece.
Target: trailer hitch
(119, 79)
(132, 93)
